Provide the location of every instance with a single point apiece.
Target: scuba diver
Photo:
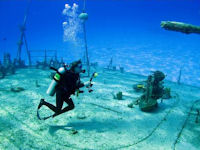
(65, 83)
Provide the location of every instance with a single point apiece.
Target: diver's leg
(59, 103)
(69, 107)
(50, 106)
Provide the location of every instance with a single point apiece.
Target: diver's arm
(81, 84)
(86, 84)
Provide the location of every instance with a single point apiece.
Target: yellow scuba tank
(140, 86)
(51, 90)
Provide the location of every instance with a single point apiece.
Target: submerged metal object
(19, 62)
(2, 71)
(83, 16)
(153, 91)
(7, 67)
(180, 27)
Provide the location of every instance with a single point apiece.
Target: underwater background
(130, 109)
(127, 30)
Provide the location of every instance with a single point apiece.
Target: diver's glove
(88, 84)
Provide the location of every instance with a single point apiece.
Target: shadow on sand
(95, 125)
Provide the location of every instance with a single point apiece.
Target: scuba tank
(51, 90)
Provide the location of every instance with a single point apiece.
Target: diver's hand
(87, 84)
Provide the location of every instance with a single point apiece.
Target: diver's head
(76, 67)
(158, 76)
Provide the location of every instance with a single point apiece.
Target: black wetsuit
(67, 86)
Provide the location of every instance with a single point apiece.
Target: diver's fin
(47, 117)
(44, 118)
(41, 103)
(38, 115)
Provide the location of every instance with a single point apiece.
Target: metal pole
(28, 52)
(22, 29)
(20, 43)
(45, 56)
(86, 49)
(84, 6)
(85, 41)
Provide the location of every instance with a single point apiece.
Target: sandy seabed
(98, 121)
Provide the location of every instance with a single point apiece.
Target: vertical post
(110, 63)
(179, 77)
(45, 57)
(20, 43)
(22, 36)
(86, 50)
(85, 41)
(84, 6)
(28, 52)
(4, 44)
(84, 57)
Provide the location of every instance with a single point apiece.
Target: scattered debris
(81, 116)
(8, 67)
(17, 89)
(121, 69)
(36, 83)
(140, 87)
(2, 71)
(95, 65)
(131, 105)
(110, 66)
(73, 131)
(197, 117)
(118, 96)
(166, 93)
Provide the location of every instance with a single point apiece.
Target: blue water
(128, 30)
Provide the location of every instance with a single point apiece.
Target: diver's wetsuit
(67, 86)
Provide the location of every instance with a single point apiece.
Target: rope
(84, 1)
(85, 42)
(105, 108)
(155, 128)
(184, 124)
